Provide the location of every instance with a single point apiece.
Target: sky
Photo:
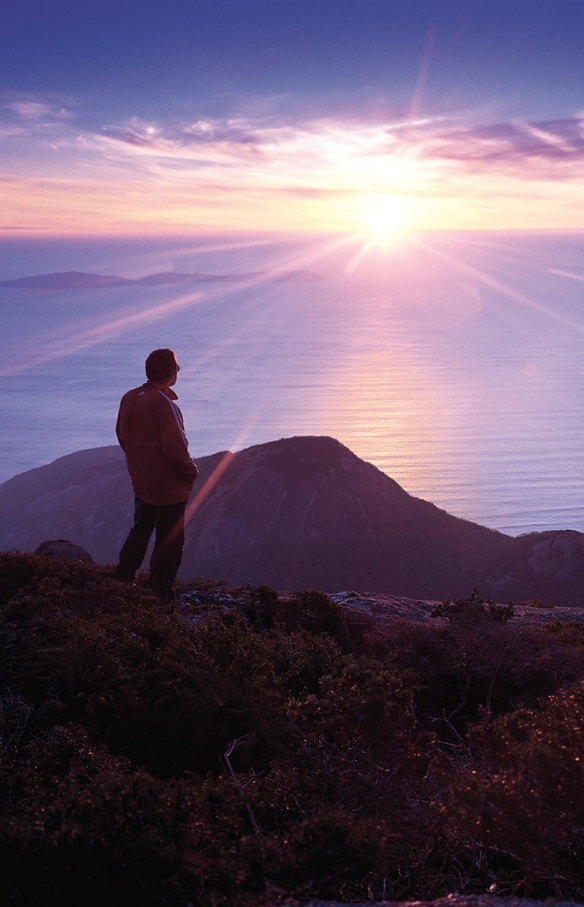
(374, 116)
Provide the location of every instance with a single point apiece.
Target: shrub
(261, 607)
(331, 855)
(568, 632)
(359, 744)
(145, 760)
(80, 826)
(300, 660)
(473, 609)
(514, 817)
(21, 571)
(316, 613)
(466, 667)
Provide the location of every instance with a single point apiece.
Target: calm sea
(453, 363)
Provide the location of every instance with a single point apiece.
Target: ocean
(454, 363)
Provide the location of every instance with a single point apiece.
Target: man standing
(151, 432)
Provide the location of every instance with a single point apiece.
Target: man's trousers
(167, 521)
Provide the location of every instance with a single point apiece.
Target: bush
(146, 759)
(514, 817)
(473, 610)
(331, 855)
(84, 827)
(465, 667)
(316, 613)
(22, 571)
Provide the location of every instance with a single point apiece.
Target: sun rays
(386, 251)
(334, 355)
(505, 289)
(86, 332)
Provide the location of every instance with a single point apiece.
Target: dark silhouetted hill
(66, 280)
(77, 280)
(297, 513)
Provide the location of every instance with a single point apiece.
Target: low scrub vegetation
(273, 750)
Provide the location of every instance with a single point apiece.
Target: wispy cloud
(222, 172)
(526, 150)
(38, 111)
(505, 144)
(30, 113)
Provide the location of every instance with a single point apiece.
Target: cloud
(37, 110)
(318, 171)
(519, 148)
(327, 142)
(214, 140)
(524, 149)
(21, 115)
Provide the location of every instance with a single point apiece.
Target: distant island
(78, 280)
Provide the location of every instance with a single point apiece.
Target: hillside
(297, 513)
(251, 749)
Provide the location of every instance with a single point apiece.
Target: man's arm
(119, 423)
(174, 441)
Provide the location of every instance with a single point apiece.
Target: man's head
(162, 367)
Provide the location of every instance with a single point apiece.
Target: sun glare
(384, 217)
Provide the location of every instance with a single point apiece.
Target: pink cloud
(326, 167)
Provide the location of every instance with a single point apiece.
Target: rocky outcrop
(66, 549)
(561, 557)
(366, 611)
(295, 514)
(375, 609)
(548, 566)
(452, 900)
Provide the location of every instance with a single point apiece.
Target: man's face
(174, 374)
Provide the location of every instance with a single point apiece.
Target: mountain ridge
(300, 512)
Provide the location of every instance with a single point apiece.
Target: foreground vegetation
(279, 749)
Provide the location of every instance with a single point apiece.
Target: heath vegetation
(275, 750)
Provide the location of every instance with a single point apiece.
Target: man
(151, 432)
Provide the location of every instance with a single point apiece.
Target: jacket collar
(167, 391)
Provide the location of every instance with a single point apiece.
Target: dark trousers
(168, 520)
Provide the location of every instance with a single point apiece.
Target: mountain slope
(297, 513)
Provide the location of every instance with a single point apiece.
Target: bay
(453, 363)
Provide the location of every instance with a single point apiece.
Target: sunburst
(385, 218)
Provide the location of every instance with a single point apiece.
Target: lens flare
(384, 217)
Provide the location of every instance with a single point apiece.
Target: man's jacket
(151, 432)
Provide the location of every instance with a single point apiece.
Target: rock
(65, 549)
(376, 609)
(366, 610)
(452, 900)
(561, 557)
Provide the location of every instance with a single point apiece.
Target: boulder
(65, 549)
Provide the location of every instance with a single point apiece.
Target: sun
(384, 217)
(385, 220)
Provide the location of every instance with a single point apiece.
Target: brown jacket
(151, 432)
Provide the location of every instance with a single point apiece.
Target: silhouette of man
(151, 432)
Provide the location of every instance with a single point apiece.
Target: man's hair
(160, 365)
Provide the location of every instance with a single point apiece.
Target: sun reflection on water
(452, 364)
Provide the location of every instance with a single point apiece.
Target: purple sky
(160, 116)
